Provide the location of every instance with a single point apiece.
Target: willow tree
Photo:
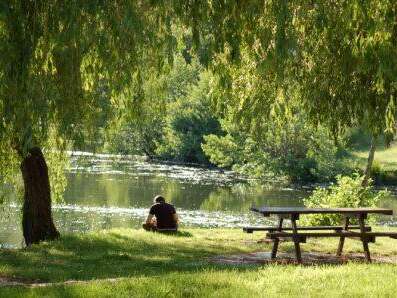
(338, 58)
(348, 65)
(54, 56)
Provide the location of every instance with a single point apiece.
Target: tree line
(177, 122)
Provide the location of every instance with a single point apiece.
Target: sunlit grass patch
(127, 262)
(386, 158)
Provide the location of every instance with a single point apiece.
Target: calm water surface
(104, 193)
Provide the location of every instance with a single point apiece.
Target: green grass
(384, 168)
(386, 158)
(148, 264)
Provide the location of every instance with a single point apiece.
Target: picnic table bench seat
(369, 236)
(250, 230)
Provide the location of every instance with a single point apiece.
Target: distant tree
(188, 119)
(142, 131)
(289, 149)
(98, 118)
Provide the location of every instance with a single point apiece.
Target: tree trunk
(37, 220)
(371, 155)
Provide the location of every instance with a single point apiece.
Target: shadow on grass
(112, 255)
(177, 234)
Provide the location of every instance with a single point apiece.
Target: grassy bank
(386, 158)
(140, 264)
(384, 169)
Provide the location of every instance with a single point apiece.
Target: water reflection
(114, 190)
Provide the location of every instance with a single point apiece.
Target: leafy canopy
(57, 54)
(339, 55)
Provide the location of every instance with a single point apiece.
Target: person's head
(158, 199)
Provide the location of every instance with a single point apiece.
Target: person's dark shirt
(164, 215)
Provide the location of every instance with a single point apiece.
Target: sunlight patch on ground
(289, 258)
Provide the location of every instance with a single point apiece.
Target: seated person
(165, 216)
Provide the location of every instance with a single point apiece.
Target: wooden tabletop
(302, 210)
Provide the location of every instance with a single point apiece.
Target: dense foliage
(188, 121)
(172, 121)
(183, 126)
(294, 151)
(60, 56)
(347, 192)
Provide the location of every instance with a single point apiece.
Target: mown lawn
(385, 158)
(147, 264)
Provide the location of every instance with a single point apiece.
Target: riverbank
(126, 262)
(384, 170)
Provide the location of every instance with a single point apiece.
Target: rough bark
(370, 160)
(37, 220)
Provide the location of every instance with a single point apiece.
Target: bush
(294, 151)
(189, 119)
(347, 192)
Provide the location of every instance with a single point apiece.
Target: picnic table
(299, 235)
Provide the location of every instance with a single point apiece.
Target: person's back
(164, 213)
(161, 216)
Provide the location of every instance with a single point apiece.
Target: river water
(106, 192)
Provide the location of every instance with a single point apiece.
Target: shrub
(347, 192)
(295, 151)
(189, 119)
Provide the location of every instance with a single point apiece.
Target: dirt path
(20, 282)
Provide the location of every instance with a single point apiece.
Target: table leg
(296, 239)
(342, 238)
(277, 240)
(364, 239)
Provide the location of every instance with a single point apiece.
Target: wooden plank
(318, 228)
(296, 239)
(303, 238)
(335, 234)
(364, 239)
(267, 211)
(277, 240)
(342, 239)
